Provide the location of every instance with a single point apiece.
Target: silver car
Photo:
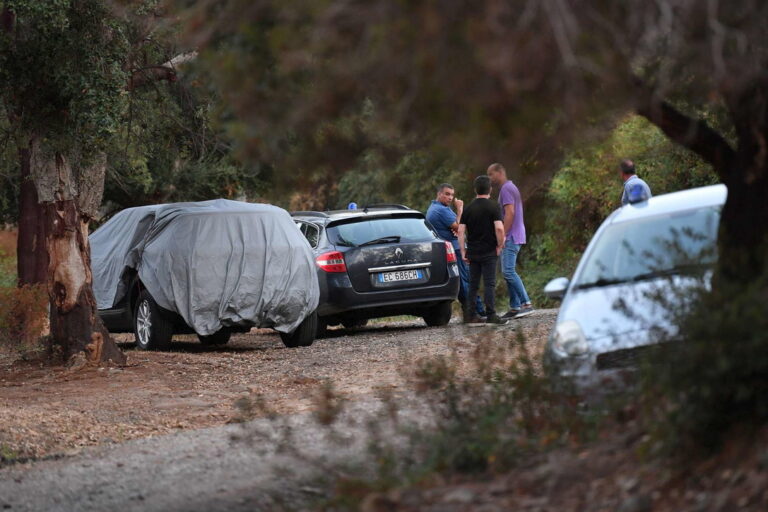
(637, 274)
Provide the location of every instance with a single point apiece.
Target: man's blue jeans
(464, 286)
(515, 287)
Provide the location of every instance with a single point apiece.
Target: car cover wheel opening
(153, 330)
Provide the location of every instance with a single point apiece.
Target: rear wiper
(599, 283)
(382, 240)
(345, 243)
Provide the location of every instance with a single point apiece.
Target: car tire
(322, 329)
(354, 323)
(151, 326)
(304, 334)
(220, 337)
(438, 315)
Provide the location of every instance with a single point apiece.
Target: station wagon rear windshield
(678, 243)
(370, 231)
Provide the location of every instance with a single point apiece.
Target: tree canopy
(314, 84)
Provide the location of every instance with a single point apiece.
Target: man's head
(497, 173)
(482, 185)
(445, 193)
(627, 168)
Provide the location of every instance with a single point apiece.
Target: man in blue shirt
(446, 223)
(631, 181)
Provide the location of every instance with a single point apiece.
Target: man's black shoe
(473, 319)
(496, 320)
(512, 313)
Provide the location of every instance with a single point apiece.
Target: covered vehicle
(209, 267)
(635, 278)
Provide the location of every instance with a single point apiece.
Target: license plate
(400, 275)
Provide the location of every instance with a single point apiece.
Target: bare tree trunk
(744, 225)
(75, 325)
(743, 238)
(31, 257)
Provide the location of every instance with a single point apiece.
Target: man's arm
(459, 210)
(499, 228)
(509, 217)
(462, 231)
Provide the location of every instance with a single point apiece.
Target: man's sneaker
(524, 311)
(512, 313)
(496, 320)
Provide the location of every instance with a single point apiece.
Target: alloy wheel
(144, 322)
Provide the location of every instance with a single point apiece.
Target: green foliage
(411, 181)
(7, 270)
(482, 419)
(171, 148)
(62, 67)
(9, 175)
(587, 188)
(7, 454)
(23, 311)
(714, 384)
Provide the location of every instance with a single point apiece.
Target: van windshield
(678, 243)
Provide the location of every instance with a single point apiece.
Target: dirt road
(125, 423)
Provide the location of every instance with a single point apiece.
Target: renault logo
(398, 253)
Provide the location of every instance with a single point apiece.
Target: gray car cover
(216, 263)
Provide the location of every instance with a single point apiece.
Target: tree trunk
(75, 325)
(744, 226)
(743, 238)
(31, 257)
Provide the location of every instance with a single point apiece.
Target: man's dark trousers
(483, 267)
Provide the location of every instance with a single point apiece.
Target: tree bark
(31, 257)
(75, 324)
(744, 226)
(743, 238)
(693, 134)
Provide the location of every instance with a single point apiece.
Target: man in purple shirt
(514, 237)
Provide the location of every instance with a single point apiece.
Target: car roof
(374, 211)
(712, 195)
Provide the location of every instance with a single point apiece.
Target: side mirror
(555, 289)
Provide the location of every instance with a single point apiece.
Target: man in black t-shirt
(482, 228)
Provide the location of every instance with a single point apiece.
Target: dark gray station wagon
(379, 261)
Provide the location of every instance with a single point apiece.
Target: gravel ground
(156, 434)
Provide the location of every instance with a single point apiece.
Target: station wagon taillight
(332, 262)
(450, 254)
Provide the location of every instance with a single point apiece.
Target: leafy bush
(23, 311)
(587, 188)
(23, 315)
(7, 271)
(483, 419)
(717, 379)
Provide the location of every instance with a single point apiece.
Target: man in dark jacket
(482, 229)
